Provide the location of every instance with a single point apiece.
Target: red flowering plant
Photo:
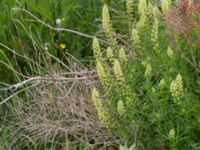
(183, 28)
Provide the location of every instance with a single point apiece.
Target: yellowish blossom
(121, 108)
(97, 50)
(154, 33)
(62, 46)
(135, 38)
(110, 55)
(142, 9)
(170, 53)
(166, 5)
(162, 82)
(118, 71)
(100, 71)
(176, 88)
(102, 114)
(172, 134)
(129, 9)
(148, 71)
(122, 55)
(107, 25)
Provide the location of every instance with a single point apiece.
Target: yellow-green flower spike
(161, 83)
(150, 8)
(100, 71)
(122, 55)
(117, 70)
(129, 9)
(120, 108)
(154, 32)
(166, 5)
(110, 55)
(170, 53)
(135, 38)
(97, 50)
(106, 19)
(107, 25)
(153, 89)
(95, 98)
(148, 71)
(172, 134)
(176, 89)
(142, 7)
(156, 12)
(102, 114)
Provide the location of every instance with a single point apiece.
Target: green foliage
(151, 96)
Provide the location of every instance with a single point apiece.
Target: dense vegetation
(139, 89)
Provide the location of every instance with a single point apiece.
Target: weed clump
(149, 96)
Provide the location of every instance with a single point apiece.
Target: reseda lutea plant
(184, 32)
(145, 97)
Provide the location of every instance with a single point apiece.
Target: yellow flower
(135, 37)
(166, 5)
(148, 71)
(110, 55)
(62, 46)
(100, 71)
(170, 52)
(176, 88)
(120, 108)
(122, 55)
(129, 9)
(118, 71)
(107, 25)
(102, 114)
(154, 33)
(156, 12)
(162, 82)
(142, 7)
(172, 134)
(97, 50)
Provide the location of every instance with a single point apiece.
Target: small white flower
(46, 48)
(58, 21)
(46, 44)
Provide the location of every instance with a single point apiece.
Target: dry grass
(62, 109)
(57, 108)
